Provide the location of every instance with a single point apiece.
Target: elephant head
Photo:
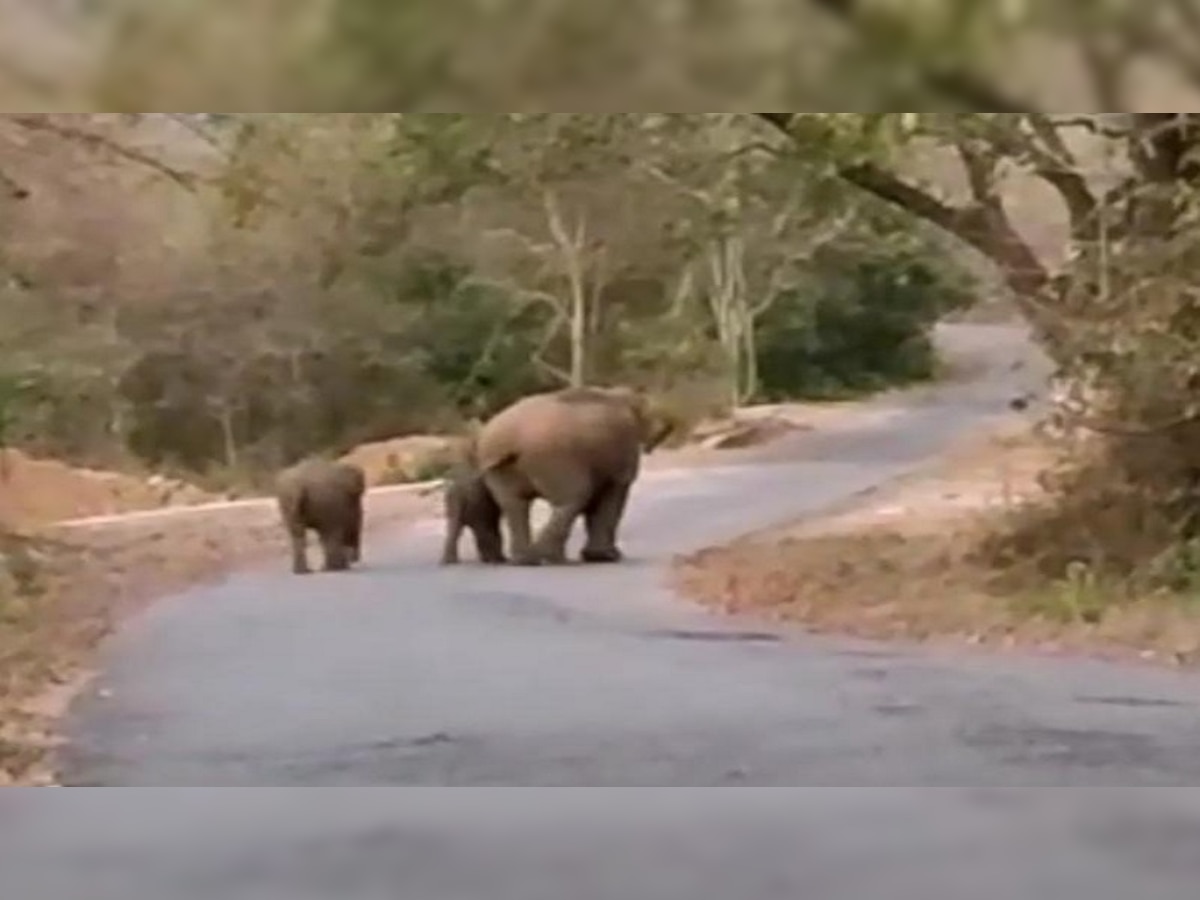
(655, 423)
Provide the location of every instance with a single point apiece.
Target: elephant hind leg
(514, 506)
(297, 532)
(333, 545)
(298, 538)
(552, 541)
(489, 545)
(450, 548)
(602, 518)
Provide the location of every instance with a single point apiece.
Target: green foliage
(476, 341)
(859, 323)
(1080, 597)
(16, 393)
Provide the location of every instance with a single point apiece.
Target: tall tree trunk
(572, 247)
(730, 310)
(229, 445)
(579, 333)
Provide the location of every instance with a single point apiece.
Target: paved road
(403, 673)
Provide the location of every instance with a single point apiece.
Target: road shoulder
(904, 562)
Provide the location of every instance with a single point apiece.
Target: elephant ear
(656, 421)
(659, 427)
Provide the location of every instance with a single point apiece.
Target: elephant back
(319, 478)
(595, 422)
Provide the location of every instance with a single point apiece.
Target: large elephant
(469, 504)
(580, 450)
(326, 497)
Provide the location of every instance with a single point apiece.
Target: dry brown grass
(907, 563)
(42, 491)
(72, 588)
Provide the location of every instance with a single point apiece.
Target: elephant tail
(302, 507)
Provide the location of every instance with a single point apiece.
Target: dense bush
(858, 323)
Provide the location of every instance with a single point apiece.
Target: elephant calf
(469, 504)
(326, 497)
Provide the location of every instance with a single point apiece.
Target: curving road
(403, 673)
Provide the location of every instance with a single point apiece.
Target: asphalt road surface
(403, 673)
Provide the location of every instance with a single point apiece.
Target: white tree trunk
(732, 316)
(572, 248)
(225, 418)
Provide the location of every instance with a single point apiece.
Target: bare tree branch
(986, 228)
(48, 124)
(1091, 123)
(1053, 162)
(883, 184)
(1167, 144)
(980, 167)
(1046, 129)
(186, 121)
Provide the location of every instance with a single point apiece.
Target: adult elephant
(579, 449)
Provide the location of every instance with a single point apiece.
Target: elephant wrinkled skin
(469, 504)
(326, 497)
(580, 450)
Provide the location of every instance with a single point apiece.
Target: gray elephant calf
(469, 504)
(326, 497)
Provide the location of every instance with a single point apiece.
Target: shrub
(857, 324)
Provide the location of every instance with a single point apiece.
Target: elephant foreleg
(601, 519)
(297, 532)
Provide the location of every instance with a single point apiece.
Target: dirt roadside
(901, 562)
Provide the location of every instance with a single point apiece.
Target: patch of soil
(418, 457)
(762, 434)
(739, 432)
(902, 563)
(41, 491)
(81, 583)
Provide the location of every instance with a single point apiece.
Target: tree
(756, 220)
(1117, 310)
